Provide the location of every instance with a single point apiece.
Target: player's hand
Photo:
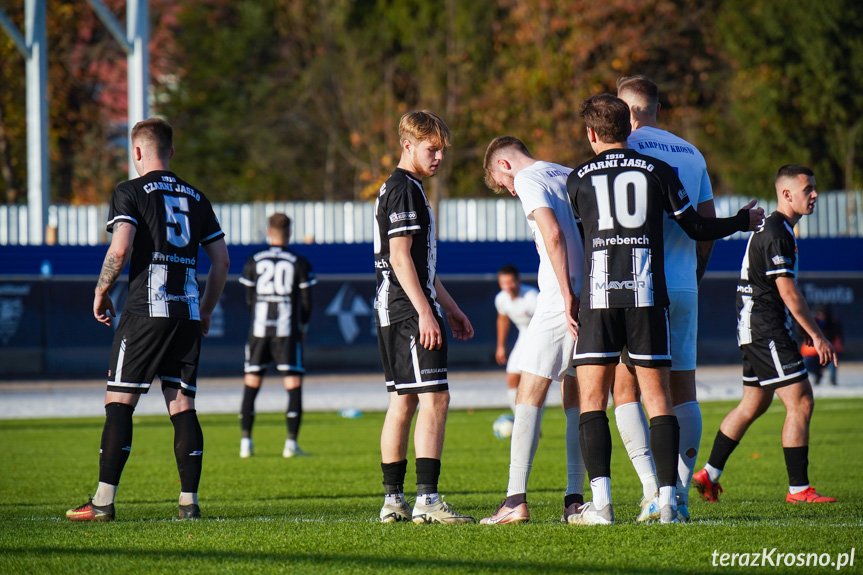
(825, 350)
(500, 355)
(206, 318)
(461, 328)
(571, 306)
(103, 308)
(430, 335)
(756, 215)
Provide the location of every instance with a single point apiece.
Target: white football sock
(575, 469)
(667, 496)
(394, 499)
(632, 425)
(187, 498)
(600, 489)
(712, 472)
(511, 394)
(105, 494)
(689, 417)
(525, 438)
(795, 489)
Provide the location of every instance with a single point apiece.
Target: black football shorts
(408, 366)
(145, 347)
(603, 334)
(285, 352)
(770, 363)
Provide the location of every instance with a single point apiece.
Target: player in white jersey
(515, 304)
(685, 262)
(551, 334)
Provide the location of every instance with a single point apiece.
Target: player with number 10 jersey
(172, 219)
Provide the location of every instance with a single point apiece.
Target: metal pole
(138, 67)
(38, 188)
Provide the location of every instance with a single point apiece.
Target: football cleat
(587, 514)
(708, 490)
(190, 511)
(569, 511)
(395, 513)
(90, 512)
(668, 514)
(438, 512)
(518, 514)
(682, 512)
(649, 509)
(808, 496)
(293, 450)
(247, 448)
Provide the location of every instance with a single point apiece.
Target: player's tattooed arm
(117, 256)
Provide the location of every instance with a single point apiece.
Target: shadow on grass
(327, 561)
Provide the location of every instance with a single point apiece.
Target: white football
(503, 426)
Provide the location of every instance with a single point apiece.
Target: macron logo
(197, 453)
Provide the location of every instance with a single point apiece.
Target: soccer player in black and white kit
(278, 283)
(621, 198)
(767, 299)
(409, 312)
(158, 221)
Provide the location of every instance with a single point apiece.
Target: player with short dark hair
(157, 221)
(409, 313)
(515, 304)
(550, 339)
(767, 300)
(685, 263)
(621, 198)
(278, 283)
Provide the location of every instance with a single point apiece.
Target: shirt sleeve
(675, 197)
(499, 303)
(532, 193)
(780, 257)
(706, 192)
(404, 208)
(123, 207)
(307, 275)
(211, 230)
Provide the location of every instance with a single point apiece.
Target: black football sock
(595, 440)
(428, 473)
(247, 410)
(576, 498)
(116, 442)
(722, 448)
(797, 463)
(394, 476)
(294, 413)
(664, 441)
(188, 449)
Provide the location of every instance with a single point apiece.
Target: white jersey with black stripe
(402, 209)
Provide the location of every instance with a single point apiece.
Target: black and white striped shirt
(172, 219)
(770, 253)
(402, 209)
(276, 279)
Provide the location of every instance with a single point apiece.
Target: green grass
(318, 514)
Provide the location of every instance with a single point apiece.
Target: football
(503, 426)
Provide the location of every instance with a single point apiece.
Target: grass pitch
(319, 514)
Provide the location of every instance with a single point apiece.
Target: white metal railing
(838, 214)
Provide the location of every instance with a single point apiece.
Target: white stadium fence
(838, 214)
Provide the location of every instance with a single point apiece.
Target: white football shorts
(548, 346)
(683, 328)
(512, 363)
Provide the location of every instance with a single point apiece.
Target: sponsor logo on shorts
(792, 365)
(402, 216)
(435, 370)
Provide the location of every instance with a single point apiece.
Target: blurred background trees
(298, 100)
